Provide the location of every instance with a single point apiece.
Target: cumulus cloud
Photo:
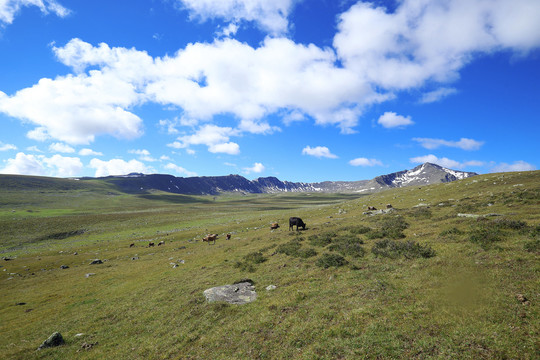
(437, 95)
(62, 148)
(445, 162)
(318, 151)
(431, 40)
(256, 168)
(215, 137)
(144, 154)
(516, 166)
(57, 165)
(391, 120)
(10, 8)
(179, 170)
(6, 147)
(463, 143)
(270, 16)
(89, 152)
(365, 162)
(118, 167)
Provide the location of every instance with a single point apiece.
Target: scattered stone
(468, 215)
(89, 274)
(522, 299)
(421, 205)
(75, 253)
(135, 258)
(96, 261)
(271, 287)
(181, 248)
(79, 334)
(64, 267)
(379, 212)
(55, 339)
(87, 346)
(239, 293)
(492, 214)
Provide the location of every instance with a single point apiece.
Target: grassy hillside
(419, 282)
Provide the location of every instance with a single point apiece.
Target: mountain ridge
(424, 174)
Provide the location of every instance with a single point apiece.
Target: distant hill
(424, 174)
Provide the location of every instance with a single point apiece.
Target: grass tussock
(389, 227)
(395, 249)
(331, 260)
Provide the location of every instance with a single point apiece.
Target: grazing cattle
(132, 245)
(161, 243)
(274, 226)
(210, 237)
(371, 208)
(228, 236)
(388, 206)
(296, 221)
(151, 244)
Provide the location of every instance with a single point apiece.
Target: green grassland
(420, 282)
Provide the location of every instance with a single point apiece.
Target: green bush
(291, 248)
(451, 231)
(509, 224)
(358, 229)
(327, 260)
(350, 249)
(485, 236)
(322, 239)
(255, 257)
(391, 227)
(421, 213)
(306, 253)
(394, 249)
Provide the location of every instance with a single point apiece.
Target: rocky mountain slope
(424, 174)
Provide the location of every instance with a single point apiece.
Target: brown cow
(228, 236)
(132, 245)
(274, 226)
(210, 237)
(150, 244)
(371, 208)
(161, 243)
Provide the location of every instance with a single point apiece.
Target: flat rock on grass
(241, 293)
(55, 339)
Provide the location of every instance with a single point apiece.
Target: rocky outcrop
(239, 294)
(55, 339)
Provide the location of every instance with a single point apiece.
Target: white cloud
(89, 152)
(318, 151)
(436, 95)
(365, 162)
(445, 162)
(256, 168)
(229, 30)
(426, 40)
(10, 8)
(392, 120)
(164, 158)
(516, 166)
(6, 147)
(34, 149)
(463, 143)
(179, 170)
(270, 16)
(118, 167)
(62, 148)
(57, 165)
(215, 137)
(144, 155)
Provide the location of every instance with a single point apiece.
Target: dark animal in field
(228, 236)
(161, 243)
(274, 226)
(298, 222)
(150, 244)
(131, 245)
(388, 206)
(210, 237)
(371, 208)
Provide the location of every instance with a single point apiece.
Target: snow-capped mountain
(424, 174)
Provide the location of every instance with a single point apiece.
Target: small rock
(522, 299)
(87, 346)
(135, 258)
(271, 287)
(64, 267)
(468, 215)
(89, 274)
(55, 339)
(79, 334)
(96, 261)
(75, 253)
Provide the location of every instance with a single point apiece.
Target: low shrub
(485, 236)
(509, 224)
(394, 249)
(421, 213)
(306, 253)
(322, 239)
(328, 260)
(349, 249)
(255, 257)
(391, 227)
(358, 229)
(532, 246)
(451, 231)
(291, 248)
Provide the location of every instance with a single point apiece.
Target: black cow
(296, 221)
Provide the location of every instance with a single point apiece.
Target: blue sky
(304, 90)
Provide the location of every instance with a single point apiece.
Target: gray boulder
(96, 261)
(55, 339)
(240, 293)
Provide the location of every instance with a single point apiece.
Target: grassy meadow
(419, 282)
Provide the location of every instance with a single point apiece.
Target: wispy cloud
(256, 168)
(365, 162)
(519, 165)
(6, 147)
(437, 95)
(179, 170)
(391, 120)
(62, 148)
(463, 143)
(445, 162)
